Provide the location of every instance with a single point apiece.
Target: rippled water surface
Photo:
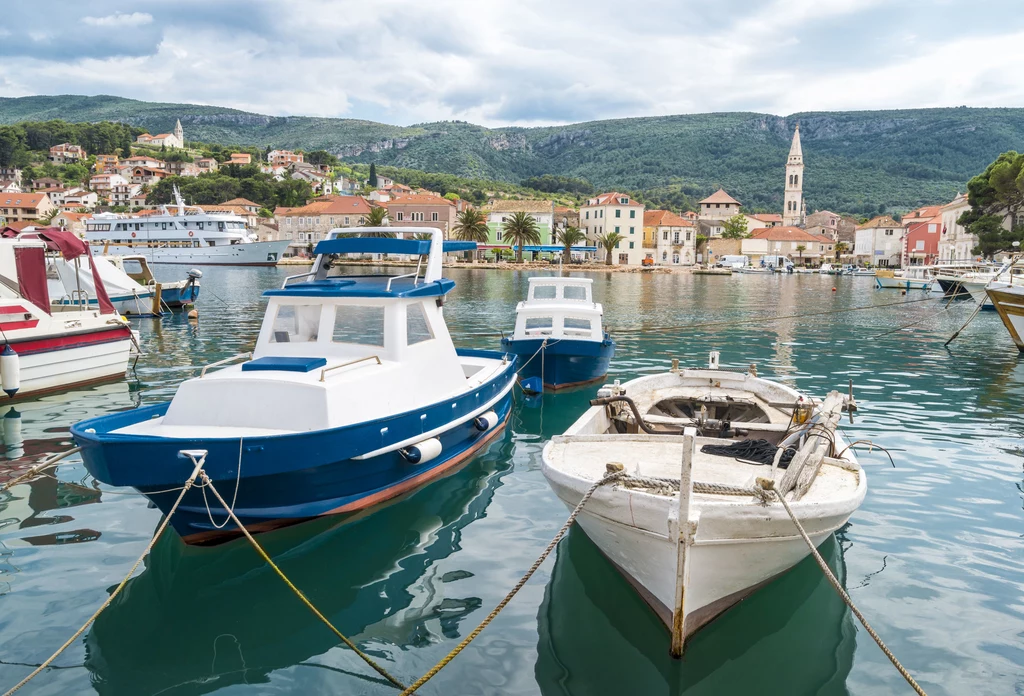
(934, 557)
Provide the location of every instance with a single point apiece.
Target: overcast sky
(526, 62)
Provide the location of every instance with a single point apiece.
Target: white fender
(10, 371)
(486, 421)
(422, 452)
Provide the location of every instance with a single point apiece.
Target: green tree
(610, 241)
(12, 146)
(75, 173)
(840, 248)
(378, 217)
(373, 175)
(471, 226)
(735, 227)
(997, 198)
(570, 237)
(521, 229)
(800, 249)
(319, 157)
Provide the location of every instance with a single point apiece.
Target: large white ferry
(182, 234)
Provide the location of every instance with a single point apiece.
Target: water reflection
(199, 619)
(794, 636)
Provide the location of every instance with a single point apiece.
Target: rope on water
(518, 586)
(117, 590)
(207, 483)
(40, 467)
(769, 486)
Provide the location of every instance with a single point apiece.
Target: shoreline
(505, 266)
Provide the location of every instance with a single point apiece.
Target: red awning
(69, 244)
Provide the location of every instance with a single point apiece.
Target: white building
(170, 140)
(879, 242)
(669, 239)
(718, 206)
(615, 212)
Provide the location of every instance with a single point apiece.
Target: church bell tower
(795, 209)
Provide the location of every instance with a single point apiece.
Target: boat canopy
(559, 308)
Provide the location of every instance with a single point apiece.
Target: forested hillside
(858, 162)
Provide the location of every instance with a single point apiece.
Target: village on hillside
(611, 228)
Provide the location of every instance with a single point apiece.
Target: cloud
(524, 62)
(119, 19)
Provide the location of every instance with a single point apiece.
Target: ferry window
(540, 326)
(163, 225)
(220, 225)
(417, 329)
(576, 325)
(360, 324)
(544, 292)
(574, 292)
(296, 324)
(200, 225)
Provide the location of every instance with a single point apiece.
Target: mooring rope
(769, 485)
(298, 593)
(518, 586)
(40, 467)
(117, 590)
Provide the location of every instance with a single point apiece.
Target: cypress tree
(373, 175)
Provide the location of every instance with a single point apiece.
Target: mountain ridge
(856, 161)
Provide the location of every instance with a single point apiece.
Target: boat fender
(421, 452)
(10, 371)
(486, 421)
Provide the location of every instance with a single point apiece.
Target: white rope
(234, 498)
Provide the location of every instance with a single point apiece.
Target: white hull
(59, 369)
(903, 283)
(1009, 302)
(249, 254)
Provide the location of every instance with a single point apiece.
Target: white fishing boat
(733, 537)
(753, 270)
(914, 278)
(1006, 292)
(181, 234)
(46, 351)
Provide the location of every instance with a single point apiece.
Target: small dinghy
(558, 336)
(752, 435)
(353, 395)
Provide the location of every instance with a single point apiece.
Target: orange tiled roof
(880, 221)
(786, 234)
(418, 199)
(335, 205)
(612, 197)
(664, 218)
(720, 196)
(241, 201)
(21, 200)
(767, 217)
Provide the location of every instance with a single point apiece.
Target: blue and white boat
(353, 395)
(558, 336)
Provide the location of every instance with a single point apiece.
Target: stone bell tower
(794, 210)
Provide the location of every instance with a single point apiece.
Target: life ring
(191, 233)
(133, 235)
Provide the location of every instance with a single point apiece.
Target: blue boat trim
(565, 362)
(283, 364)
(365, 286)
(373, 245)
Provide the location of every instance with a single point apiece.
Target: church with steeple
(175, 139)
(795, 208)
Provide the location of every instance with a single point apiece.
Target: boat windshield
(296, 324)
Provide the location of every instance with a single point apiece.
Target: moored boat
(353, 395)
(176, 294)
(558, 336)
(915, 278)
(736, 539)
(1006, 292)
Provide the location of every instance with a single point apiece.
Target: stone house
(800, 246)
(669, 239)
(718, 206)
(310, 223)
(418, 210)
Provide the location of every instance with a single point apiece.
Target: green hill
(860, 161)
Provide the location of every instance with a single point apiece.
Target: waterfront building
(794, 207)
(921, 239)
(23, 207)
(310, 223)
(879, 242)
(66, 153)
(718, 206)
(418, 210)
(169, 140)
(615, 212)
(669, 239)
(498, 212)
(800, 246)
(955, 243)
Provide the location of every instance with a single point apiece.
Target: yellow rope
(519, 585)
(117, 590)
(769, 485)
(36, 469)
(298, 593)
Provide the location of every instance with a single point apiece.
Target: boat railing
(225, 361)
(324, 371)
(295, 277)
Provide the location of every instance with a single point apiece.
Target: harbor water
(934, 557)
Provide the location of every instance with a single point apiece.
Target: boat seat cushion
(284, 364)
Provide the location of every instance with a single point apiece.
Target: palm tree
(521, 229)
(569, 237)
(378, 217)
(840, 248)
(609, 241)
(471, 226)
(800, 248)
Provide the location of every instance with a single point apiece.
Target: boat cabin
(559, 308)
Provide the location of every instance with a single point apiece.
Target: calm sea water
(934, 557)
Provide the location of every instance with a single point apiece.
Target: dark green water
(934, 557)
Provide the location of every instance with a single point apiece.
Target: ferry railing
(225, 361)
(324, 371)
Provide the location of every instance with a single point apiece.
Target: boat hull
(284, 479)
(178, 295)
(52, 363)
(563, 362)
(1009, 303)
(902, 283)
(251, 254)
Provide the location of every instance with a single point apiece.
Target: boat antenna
(178, 200)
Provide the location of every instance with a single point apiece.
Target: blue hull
(289, 478)
(176, 298)
(564, 362)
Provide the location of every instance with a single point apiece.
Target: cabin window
(417, 329)
(544, 292)
(360, 324)
(576, 326)
(538, 326)
(132, 266)
(574, 292)
(296, 324)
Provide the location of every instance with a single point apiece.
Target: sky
(519, 62)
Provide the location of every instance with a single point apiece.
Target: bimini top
(320, 283)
